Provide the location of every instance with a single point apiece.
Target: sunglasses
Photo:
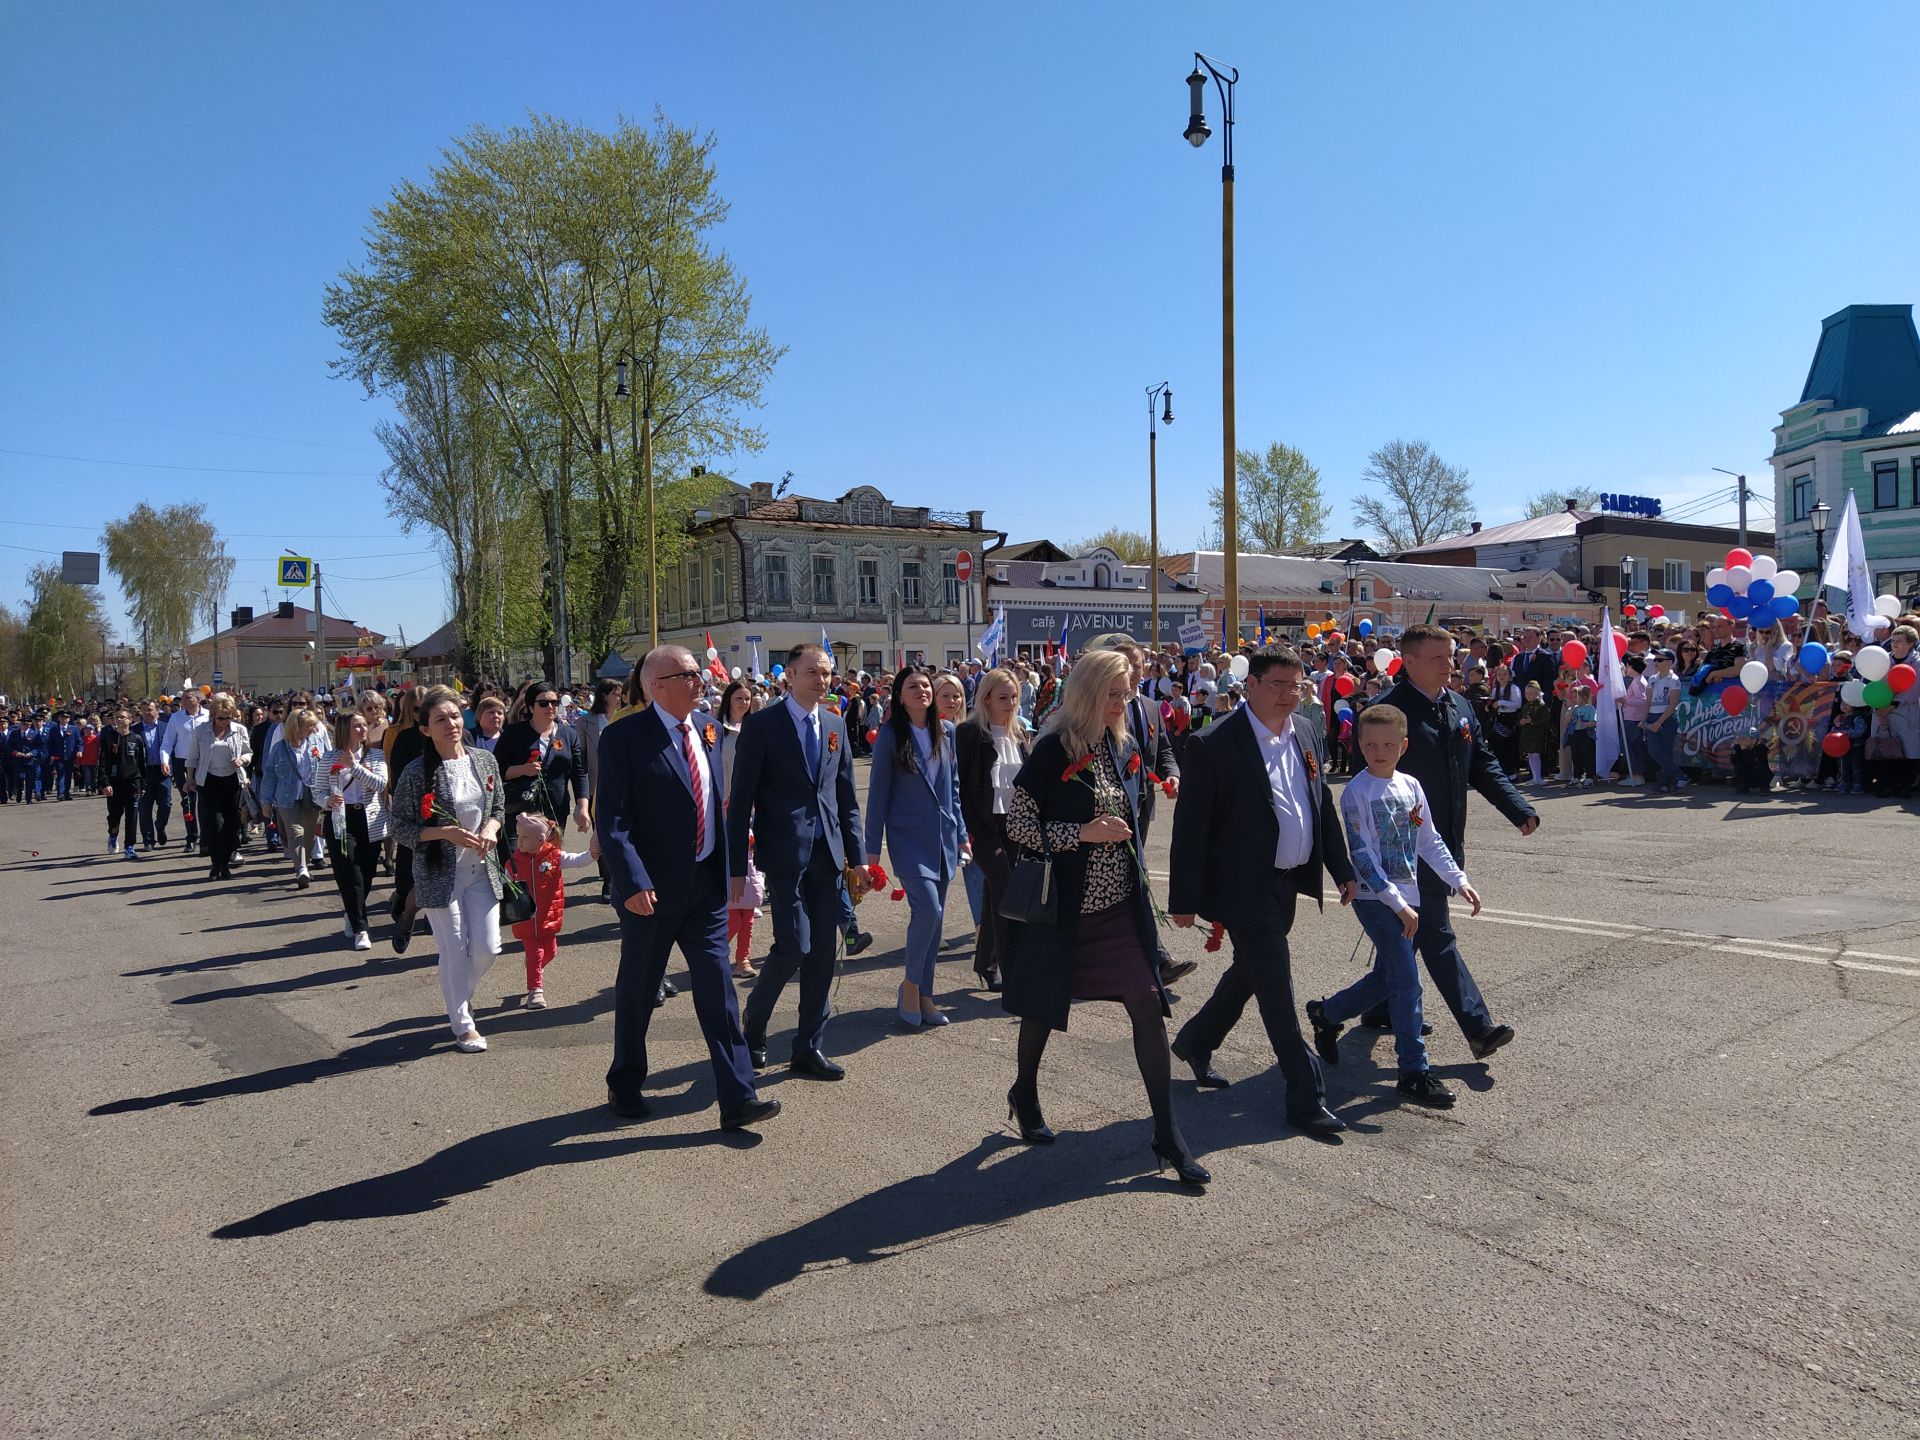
(547, 702)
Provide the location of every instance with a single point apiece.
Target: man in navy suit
(793, 789)
(1254, 830)
(663, 845)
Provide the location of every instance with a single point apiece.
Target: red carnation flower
(877, 874)
(1133, 765)
(1166, 788)
(1216, 935)
(426, 808)
(899, 895)
(336, 767)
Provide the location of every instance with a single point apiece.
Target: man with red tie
(663, 846)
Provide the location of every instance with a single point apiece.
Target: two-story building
(1051, 597)
(879, 580)
(1855, 431)
(265, 654)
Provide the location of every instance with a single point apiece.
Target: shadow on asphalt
(376, 1054)
(476, 1163)
(354, 970)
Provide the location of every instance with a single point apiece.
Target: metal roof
(299, 626)
(1540, 527)
(1868, 357)
(1296, 575)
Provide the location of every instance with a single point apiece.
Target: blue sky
(1564, 248)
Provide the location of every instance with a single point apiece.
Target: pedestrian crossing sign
(296, 570)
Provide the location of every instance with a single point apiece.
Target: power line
(232, 534)
(189, 429)
(192, 469)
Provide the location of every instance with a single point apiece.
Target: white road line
(1685, 937)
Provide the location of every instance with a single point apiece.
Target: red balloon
(872, 735)
(1573, 654)
(1836, 744)
(1656, 611)
(1900, 679)
(1620, 646)
(1629, 610)
(1734, 699)
(1737, 556)
(1393, 666)
(1336, 638)
(1343, 685)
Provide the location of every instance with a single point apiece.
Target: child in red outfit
(537, 862)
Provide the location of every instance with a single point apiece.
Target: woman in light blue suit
(913, 804)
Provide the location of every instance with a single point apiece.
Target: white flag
(993, 638)
(1847, 570)
(1606, 703)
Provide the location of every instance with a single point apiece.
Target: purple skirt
(1109, 961)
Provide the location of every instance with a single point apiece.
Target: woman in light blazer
(913, 805)
(350, 787)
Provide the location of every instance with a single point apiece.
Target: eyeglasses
(547, 702)
(680, 675)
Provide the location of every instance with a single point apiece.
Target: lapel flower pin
(1134, 764)
(1313, 765)
(711, 735)
(833, 741)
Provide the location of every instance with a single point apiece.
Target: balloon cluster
(1886, 609)
(1753, 588)
(1876, 679)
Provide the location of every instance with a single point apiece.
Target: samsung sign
(1631, 505)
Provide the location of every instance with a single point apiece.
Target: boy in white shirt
(1388, 833)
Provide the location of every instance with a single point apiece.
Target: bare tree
(1422, 497)
(1552, 502)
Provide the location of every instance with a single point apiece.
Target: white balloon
(1854, 692)
(1166, 689)
(736, 672)
(1764, 567)
(1753, 675)
(1716, 576)
(1871, 663)
(712, 653)
(1887, 605)
(1341, 707)
(1382, 658)
(1739, 577)
(1238, 665)
(1786, 582)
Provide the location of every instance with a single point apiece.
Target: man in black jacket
(123, 768)
(1448, 755)
(1255, 829)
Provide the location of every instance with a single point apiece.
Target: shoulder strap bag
(1030, 897)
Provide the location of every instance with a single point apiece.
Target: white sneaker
(536, 999)
(301, 880)
(346, 929)
(1633, 782)
(471, 1043)
(362, 940)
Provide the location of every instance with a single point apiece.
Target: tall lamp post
(1626, 582)
(1353, 594)
(640, 423)
(1164, 392)
(1225, 77)
(1818, 517)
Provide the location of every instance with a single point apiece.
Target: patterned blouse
(1111, 873)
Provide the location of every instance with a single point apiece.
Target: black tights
(1149, 1053)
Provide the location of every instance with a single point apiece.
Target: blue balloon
(778, 671)
(1760, 592)
(1720, 596)
(1814, 657)
(1366, 628)
(1739, 606)
(1785, 605)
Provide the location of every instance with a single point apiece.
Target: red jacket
(540, 873)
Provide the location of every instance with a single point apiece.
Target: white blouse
(470, 811)
(1006, 764)
(219, 754)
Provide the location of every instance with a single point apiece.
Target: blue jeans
(1395, 978)
(1660, 758)
(1636, 746)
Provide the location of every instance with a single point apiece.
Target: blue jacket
(40, 739)
(64, 743)
(280, 783)
(644, 811)
(775, 798)
(919, 820)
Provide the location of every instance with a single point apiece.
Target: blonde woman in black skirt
(1078, 795)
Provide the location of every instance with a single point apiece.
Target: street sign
(1193, 637)
(79, 567)
(963, 567)
(218, 677)
(296, 570)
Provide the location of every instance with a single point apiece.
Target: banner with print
(1791, 720)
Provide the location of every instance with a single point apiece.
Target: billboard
(80, 567)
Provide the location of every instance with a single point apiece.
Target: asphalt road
(249, 1188)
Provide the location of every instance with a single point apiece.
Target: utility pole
(1741, 487)
(318, 665)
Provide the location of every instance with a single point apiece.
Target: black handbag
(1030, 897)
(516, 901)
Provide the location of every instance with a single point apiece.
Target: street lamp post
(1626, 582)
(1154, 417)
(1817, 518)
(1353, 594)
(640, 423)
(1225, 77)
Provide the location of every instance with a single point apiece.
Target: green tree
(1131, 546)
(1277, 500)
(535, 259)
(174, 569)
(1422, 497)
(13, 677)
(1552, 502)
(64, 634)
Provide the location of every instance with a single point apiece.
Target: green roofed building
(1855, 431)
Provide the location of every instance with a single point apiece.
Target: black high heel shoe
(1190, 1170)
(1034, 1129)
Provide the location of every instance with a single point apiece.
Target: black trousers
(1262, 970)
(221, 826)
(156, 806)
(352, 873)
(996, 871)
(122, 804)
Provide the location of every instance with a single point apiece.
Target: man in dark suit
(1448, 755)
(793, 789)
(663, 838)
(1255, 829)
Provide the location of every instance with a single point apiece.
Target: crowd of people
(709, 799)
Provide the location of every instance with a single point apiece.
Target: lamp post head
(620, 378)
(1818, 516)
(1166, 414)
(1197, 131)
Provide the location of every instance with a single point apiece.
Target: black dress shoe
(1326, 1033)
(857, 940)
(1172, 970)
(1491, 1041)
(1024, 1111)
(1204, 1075)
(1322, 1122)
(627, 1104)
(757, 1051)
(815, 1066)
(748, 1114)
(668, 989)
